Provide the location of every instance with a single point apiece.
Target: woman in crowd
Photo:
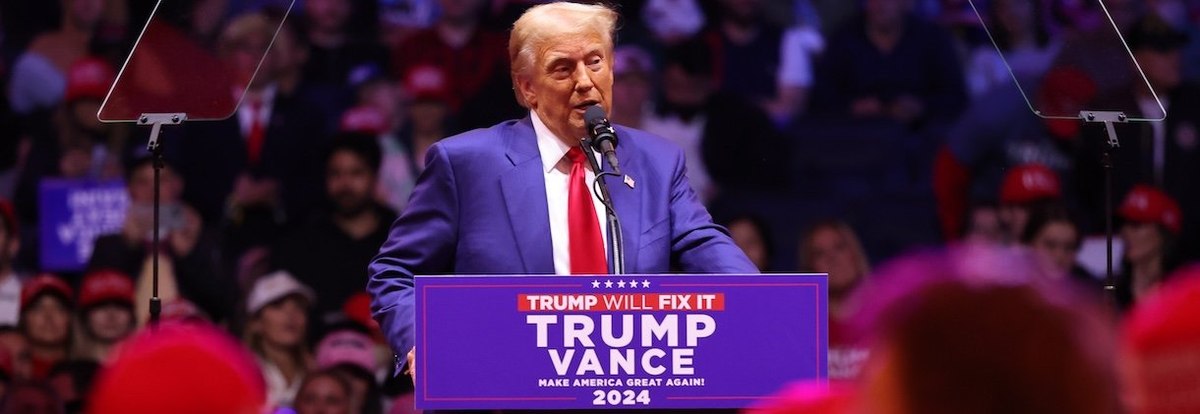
(751, 235)
(832, 247)
(276, 329)
(46, 304)
(1151, 224)
(324, 392)
(1053, 235)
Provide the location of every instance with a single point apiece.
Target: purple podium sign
(601, 342)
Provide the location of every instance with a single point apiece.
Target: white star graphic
(595, 284)
(633, 284)
(645, 283)
(620, 283)
(607, 283)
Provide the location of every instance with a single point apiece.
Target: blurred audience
(72, 383)
(324, 392)
(1025, 46)
(10, 281)
(331, 252)
(633, 86)
(889, 63)
(1026, 190)
(185, 241)
(335, 50)
(1054, 236)
(39, 75)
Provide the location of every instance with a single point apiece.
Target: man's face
(349, 183)
(1163, 68)
(329, 15)
(569, 74)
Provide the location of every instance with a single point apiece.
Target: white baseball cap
(275, 286)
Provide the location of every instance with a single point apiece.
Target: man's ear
(524, 89)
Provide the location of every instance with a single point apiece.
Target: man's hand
(412, 365)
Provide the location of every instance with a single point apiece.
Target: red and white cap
(89, 77)
(1146, 204)
(45, 283)
(364, 119)
(1160, 342)
(427, 83)
(1028, 183)
(105, 285)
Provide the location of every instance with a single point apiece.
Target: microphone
(603, 136)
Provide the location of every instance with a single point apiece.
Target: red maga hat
(1146, 204)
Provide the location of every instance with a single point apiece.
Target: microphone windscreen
(593, 115)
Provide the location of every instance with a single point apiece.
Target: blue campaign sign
(616, 342)
(73, 213)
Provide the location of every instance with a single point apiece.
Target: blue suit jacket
(480, 208)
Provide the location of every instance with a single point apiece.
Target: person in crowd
(753, 62)
(1165, 154)
(72, 143)
(252, 172)
(472, 57)
(1150, 230)
(353, 355)
(334, 49)
(998, 133)
(983, 225)
(889, 63)
(10, 281)
(72, 382)
(185, 241)
(277, 308)
(46, 305)
(144, 375)
(32, 397)
(324, 392)
(752, 235)
(832, 247)
(1053, 235)
(105, 313)
(428, 117)
(1026, 47)
(633, 85)
(330, 252)
(39, 75)
(672, 21)
(14, 343)
(729, 143)
(1026, 190)
(397, 169)
(1159, 345)
(981, 330)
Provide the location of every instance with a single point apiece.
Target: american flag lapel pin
(629, 181)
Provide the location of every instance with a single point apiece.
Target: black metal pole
(156, 152)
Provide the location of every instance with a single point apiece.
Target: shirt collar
(551, 148)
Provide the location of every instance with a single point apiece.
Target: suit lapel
(524, 189)
(627, 201)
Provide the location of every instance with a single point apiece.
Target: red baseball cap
(427, 83)
(1146, 204)
(364, 119)
(105, 285)
(1064, 91)
(1029, 182)
(358, 310)
(89, 77)
(43, 284)
(1160, 341)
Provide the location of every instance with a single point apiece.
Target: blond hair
(545, 22)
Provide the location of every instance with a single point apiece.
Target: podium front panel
(628, 342)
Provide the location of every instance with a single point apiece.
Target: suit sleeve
(421, 241)
(697, 244)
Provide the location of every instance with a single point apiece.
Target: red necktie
(587, 245)
(254, 140)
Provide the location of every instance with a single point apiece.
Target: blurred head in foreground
(1160, 344)
(982, 331)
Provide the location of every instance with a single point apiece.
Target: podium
(616, 342)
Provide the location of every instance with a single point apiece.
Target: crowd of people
(828, 136)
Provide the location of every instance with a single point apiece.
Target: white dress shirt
(10, 300)
(557, 171)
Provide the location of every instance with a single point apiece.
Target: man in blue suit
(516, 199)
